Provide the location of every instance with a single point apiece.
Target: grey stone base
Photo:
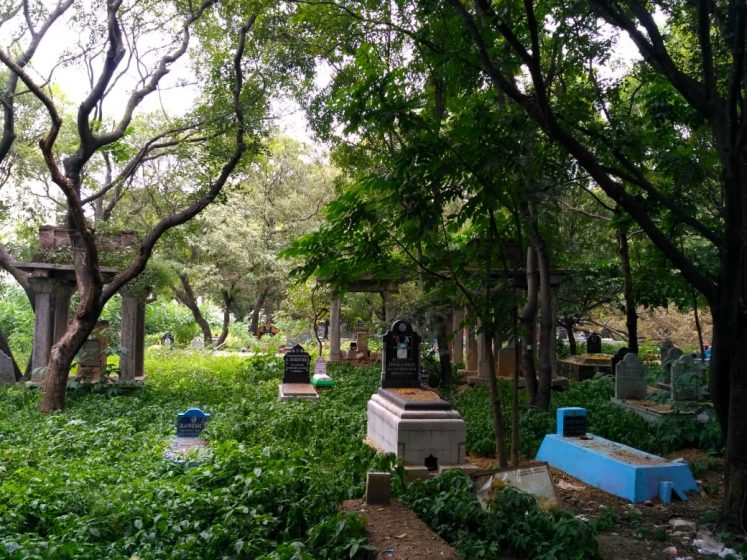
(414, 435)
(292, 391)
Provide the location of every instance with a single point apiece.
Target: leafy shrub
(513, 522)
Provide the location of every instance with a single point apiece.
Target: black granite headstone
(297, 365)
(400, 358)
(574, 426)
(594, 344)
(618, 357)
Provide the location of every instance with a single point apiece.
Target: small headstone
(664, 348)
(619, 355)
(297, 363)
(506, 362)
(561, 333)
(594, 344)
(167, 339)
(400, 357)
(672, 356)
(688, 379)
(7, 371)
(320, 378)
(191, 423)
(378, 488)
(630, 378)
(571, 421)
(198, 342)
(606, 333)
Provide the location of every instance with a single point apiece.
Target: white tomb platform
(416, 423)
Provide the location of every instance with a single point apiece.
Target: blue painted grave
(613, 467)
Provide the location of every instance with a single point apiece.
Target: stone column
(44, 309)
(390, 311)
(471, 350)
(483, 360)
(457, 343)
(334, 330)
(51, 306)
(132, 337)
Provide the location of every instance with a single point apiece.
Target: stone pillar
(471, 350)
(483, 359)
(334, 330)
(457, 343)
(43, 327)
(51, 305)
(132, 337)
(390, 311)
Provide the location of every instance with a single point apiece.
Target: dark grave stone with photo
(400, 357)
(7, 371)
(594, 344)
(297, 364)
(167, 340)
(630, 378)
(191, 423)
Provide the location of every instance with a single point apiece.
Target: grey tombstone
(297, 364)
(400, 358)
(561, 333)
(630, 378)
(7, 371)
(672, 356)
(688, 379)
(594, 344)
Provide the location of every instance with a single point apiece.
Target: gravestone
(618, 357)
(400, 357)
(191, 423)
(630, 378)
(561, 333)
(297, 363)
(184, 449)
(571, 421)
(664, 348)
(606, 333)
(672, 356)
(7, 371)
(688, 379)
(321, 379)
(167, 339)
(594, 344)
(506, 362)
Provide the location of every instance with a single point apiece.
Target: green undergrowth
(604, 419)
(92, 482)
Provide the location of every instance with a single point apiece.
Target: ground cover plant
(92, 482)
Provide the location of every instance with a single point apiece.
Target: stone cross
(688, 379)
(7, 371)
(630, 378)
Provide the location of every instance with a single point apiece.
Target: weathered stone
(7, 371)
(594, 344)
(630, 378)
(688, 379)
(378, 488)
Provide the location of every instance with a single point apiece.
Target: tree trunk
(515, 433)
(698, 326)
(227, 300)
(187, 297)
(61, 358)
(5, 347)
(444, 355)
(631, 315)
(254, 324)
(568, 325)
(547, 324)
(528, 325)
